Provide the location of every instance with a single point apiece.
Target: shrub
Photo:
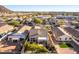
(14, 23)
(35, 47)
(38, 20)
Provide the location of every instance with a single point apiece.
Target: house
(19, 35)
(29, 19)
(66, 21)
(44, 16)
(16, 37)
(65, 17)
(38, 35)
(39, 26)
(31, 23)
(74, 33)
(59, 35)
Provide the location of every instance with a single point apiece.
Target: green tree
(61, 22)
(42, 49)
(14, 23)
(5, 18)
(38, 20)
(48, 27)
(35, 47)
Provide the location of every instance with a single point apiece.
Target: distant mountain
(4, 10)
(50, 12)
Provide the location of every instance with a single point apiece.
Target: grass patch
(65, 45)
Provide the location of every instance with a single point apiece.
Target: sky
(66, 8)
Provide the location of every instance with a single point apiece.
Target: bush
(61, 22)
(14, 23)
(65, 45)
(42, 50)
(48, 27)
(38, 20)
(35, 47)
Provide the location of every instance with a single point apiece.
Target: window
(60, 38)
(14, 41)
(34, 40)
(65, 38)
(70, 38)
(31, 40)
(40, 42)
(21, 39)
(10, 38)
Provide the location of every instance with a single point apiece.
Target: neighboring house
(16, 37)
(59, 35)
(20, 35)
(74, 33)
(31, 23)
(44, 16)
(65, 17)
(67, 21)
(39, 26)
(29, 19)
(38, 35)
(19, 19)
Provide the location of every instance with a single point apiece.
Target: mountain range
(6, 10)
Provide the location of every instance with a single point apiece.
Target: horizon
(56, 8)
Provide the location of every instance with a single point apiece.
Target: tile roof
(57, 32)
(72, 31)
(38, 32)
(24, 28)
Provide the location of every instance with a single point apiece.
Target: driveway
(67, 51)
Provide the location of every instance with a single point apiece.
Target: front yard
(65, 45)
(35, 48)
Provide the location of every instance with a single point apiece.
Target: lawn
(65, 45)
